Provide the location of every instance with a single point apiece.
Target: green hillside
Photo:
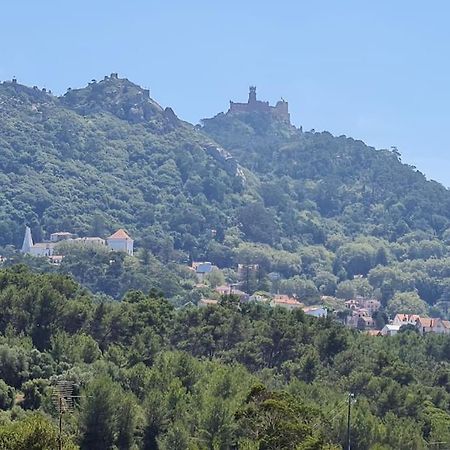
(107, 156)
(328, 214)
(346, 209)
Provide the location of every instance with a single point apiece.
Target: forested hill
(328, 214)
(362, 189)
(108, 156)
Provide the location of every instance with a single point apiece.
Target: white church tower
(27, 241)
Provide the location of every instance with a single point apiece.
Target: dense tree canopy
(153, 377)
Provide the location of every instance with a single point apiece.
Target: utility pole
(60, 421)
(63, 400)
(350, 396)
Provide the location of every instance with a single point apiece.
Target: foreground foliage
(249, 377)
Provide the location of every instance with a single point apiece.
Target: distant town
(360, 313)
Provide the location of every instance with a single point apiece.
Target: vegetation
(249, 377)
(318, 211)
(304, 213)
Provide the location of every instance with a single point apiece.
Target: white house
(42, 249)
(405, 319)
(61, 236)
(431, 325)
(390, 330)
(315, 311)
(93, 241)
(120, 242)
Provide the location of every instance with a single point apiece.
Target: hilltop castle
(279, 111)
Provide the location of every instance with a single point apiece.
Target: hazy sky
(374, 70)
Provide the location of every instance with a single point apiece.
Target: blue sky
(376, 71)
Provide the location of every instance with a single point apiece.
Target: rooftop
(120, 234)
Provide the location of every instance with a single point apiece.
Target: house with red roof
(284, 301)
(120, 242)
(405, 319)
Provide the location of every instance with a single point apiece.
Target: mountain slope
(366, 190)
(317, 214)
(108, 156)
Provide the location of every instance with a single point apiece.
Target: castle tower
(27, 241)
(252, 94)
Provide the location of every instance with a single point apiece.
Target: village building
(61, 236)
(364, 323)
(373, 332)
(370, 304)
(119, 241)
(315, 311)
(422, 324)
(90, 241)
(55, 260)
(226, 289)
(352, 304)
(405, 319)
(202, 269)
(360, 318)
(390, 330)
(258, 297)
(42, 249)
(244, 270)
(432, 325)
(284, 301)
(204, 302)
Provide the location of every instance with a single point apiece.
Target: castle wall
(253, 106)
(279, 111)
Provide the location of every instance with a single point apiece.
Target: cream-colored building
(120, 242)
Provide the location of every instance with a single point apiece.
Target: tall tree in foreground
(98, 415)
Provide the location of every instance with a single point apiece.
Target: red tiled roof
(428, 322)
(407, 317)
(120, 234)
(285, 299)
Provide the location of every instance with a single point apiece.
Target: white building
(315, 311)
(61, 236)
(120, 242)
(27, 241)
(405, 319)
(390, 330)
(39, 249)
(90, 241)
